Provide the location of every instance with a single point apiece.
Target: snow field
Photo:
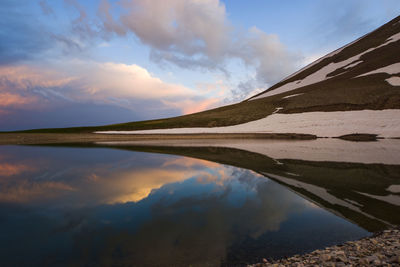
(385, 123)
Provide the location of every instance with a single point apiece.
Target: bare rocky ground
(382, 249)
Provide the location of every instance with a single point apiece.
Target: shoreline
(52, 138)
(7, 138)
(380, 249)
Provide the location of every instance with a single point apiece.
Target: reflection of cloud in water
(165, 209)
(27, 191)
(199, 222)
(15, 189)
(132, 185)
(11, 166)
(189, 162)
(109, 182)
(8, 169)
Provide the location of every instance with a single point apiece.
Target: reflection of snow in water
(392, 199)
(325, 149)
(395, 188)
(324, 195)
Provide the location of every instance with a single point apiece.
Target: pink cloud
(8, 169)
(109, 83)
(201, 105)
(189, 106)
(8, 99)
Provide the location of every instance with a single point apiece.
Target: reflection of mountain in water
(365, 193)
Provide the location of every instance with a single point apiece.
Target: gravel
(382, 249)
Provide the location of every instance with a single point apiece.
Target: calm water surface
(99, 206)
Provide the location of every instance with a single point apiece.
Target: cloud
(189, 34)
(78, 80)
(245, 90)
(189, 106)
(181, 26)
(20, 39)
(348, 20)
(271, 59)
(7, 99)
(71, 93)
(84, 28)
(197, 34)
(68, 114)
(46, 9)
(31, 34)
(128, 81)
(108, 20)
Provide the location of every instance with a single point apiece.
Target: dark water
(101, 206)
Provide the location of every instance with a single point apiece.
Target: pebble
(382, 249)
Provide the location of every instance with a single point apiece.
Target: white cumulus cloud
(198, 34)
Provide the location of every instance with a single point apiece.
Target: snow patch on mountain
(395, 81)
(353, 65)
(391, 69)
(385, 123)
(337, 51)
(323, 73)
(290, 96)
(393, 38)
(318, 76)
(277, 110)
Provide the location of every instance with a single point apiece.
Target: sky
(78, 63)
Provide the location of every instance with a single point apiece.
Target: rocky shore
(382, 249)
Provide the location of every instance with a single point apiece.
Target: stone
(325, 257)
(364, 261)
(377, 262)
(394, 259)
(380, 250)
(342, 258)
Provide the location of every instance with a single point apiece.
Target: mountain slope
(364, 75)
(352, 77)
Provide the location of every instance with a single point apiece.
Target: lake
(198, 203)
